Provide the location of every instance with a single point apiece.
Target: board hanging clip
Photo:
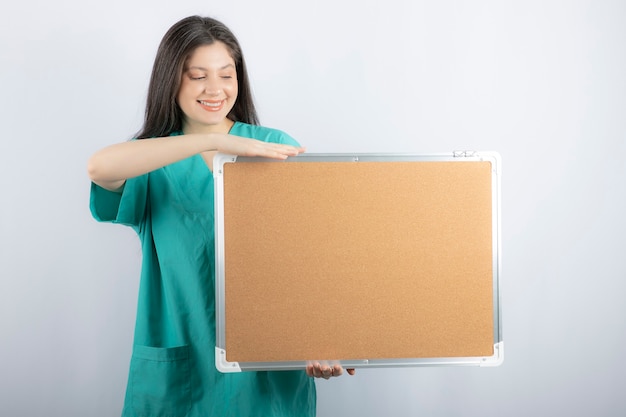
(463, 154)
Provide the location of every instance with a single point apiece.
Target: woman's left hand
(318, 370)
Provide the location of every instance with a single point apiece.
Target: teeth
(206, 103)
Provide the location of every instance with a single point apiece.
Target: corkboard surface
(367, 260)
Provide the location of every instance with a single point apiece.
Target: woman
(199, 102)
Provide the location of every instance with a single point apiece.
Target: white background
(542, 82)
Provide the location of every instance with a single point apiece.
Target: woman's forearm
(112, 165)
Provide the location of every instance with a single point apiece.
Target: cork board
(357, 261)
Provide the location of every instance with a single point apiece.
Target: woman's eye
(197, 78)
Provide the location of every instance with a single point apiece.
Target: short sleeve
(284, 138)
(127, 207)
(262, 133)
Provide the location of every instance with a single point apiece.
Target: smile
(212, 105)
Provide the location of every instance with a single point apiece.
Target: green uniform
(172, 371)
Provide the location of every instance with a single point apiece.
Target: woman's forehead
(211, 56)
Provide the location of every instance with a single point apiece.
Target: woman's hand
(317, 370)
(237, 145)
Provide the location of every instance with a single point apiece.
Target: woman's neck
(223, 127)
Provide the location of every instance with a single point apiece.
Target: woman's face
(208, 89)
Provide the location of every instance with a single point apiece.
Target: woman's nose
(212, 87)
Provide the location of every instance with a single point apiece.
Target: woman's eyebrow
(205, 69)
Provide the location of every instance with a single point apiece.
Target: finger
(283, 146)
(288, 149)
(351, 371)
(337, 370)
(327, 371)
(316, 370)
(277, 153)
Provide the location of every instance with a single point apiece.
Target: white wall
(542, 82)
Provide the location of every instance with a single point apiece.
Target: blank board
(362, 260)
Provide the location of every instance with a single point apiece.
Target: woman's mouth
(212, 105)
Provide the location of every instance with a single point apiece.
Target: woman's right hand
(240, 146)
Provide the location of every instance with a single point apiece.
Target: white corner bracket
(497, 358)
(222, 364)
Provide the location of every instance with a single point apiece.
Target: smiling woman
(188, 51)
(199, 103)
(208, 90)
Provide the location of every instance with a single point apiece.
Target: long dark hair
(163, 115)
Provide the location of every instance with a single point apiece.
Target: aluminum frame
(461, 156)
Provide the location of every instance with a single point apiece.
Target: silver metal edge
(480, 361)
(220, 293)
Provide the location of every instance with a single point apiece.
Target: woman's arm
(112, 166)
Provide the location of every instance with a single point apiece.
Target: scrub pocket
(160, 381)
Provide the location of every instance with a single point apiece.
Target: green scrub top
(172, 370)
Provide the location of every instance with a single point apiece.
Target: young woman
(199, 102)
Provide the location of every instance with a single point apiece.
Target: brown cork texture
(358, 260)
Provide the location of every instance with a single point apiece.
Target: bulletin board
(362, 260)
